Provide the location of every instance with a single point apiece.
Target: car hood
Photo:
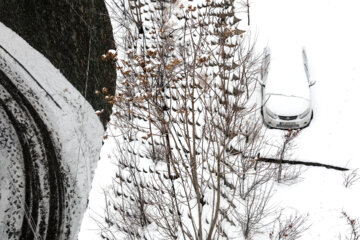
(286, 105)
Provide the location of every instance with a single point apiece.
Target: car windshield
(286, 105)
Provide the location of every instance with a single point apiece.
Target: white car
(285, 81)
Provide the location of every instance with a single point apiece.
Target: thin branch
(295, 162)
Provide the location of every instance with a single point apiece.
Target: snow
(286, 73)
(283, 105)
(9, 176)
(69, 117)
(328, 30)
(104, 174)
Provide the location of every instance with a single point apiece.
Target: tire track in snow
(27, 71)
(53, 214)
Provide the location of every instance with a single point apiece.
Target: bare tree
(246, 6)
(290, 228)
(289, 173)
(350, 178)
(256, 208)
(186, 125)
(354, 233)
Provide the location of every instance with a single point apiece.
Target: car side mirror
(262, 83)
(312, 83)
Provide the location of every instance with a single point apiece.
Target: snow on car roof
(286, 74)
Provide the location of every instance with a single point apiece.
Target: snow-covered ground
(328, 30)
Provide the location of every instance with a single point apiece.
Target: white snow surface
(328, 30)
(286, 73)
(75, 126)
(286, 105)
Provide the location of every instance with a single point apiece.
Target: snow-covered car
(285, 81)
